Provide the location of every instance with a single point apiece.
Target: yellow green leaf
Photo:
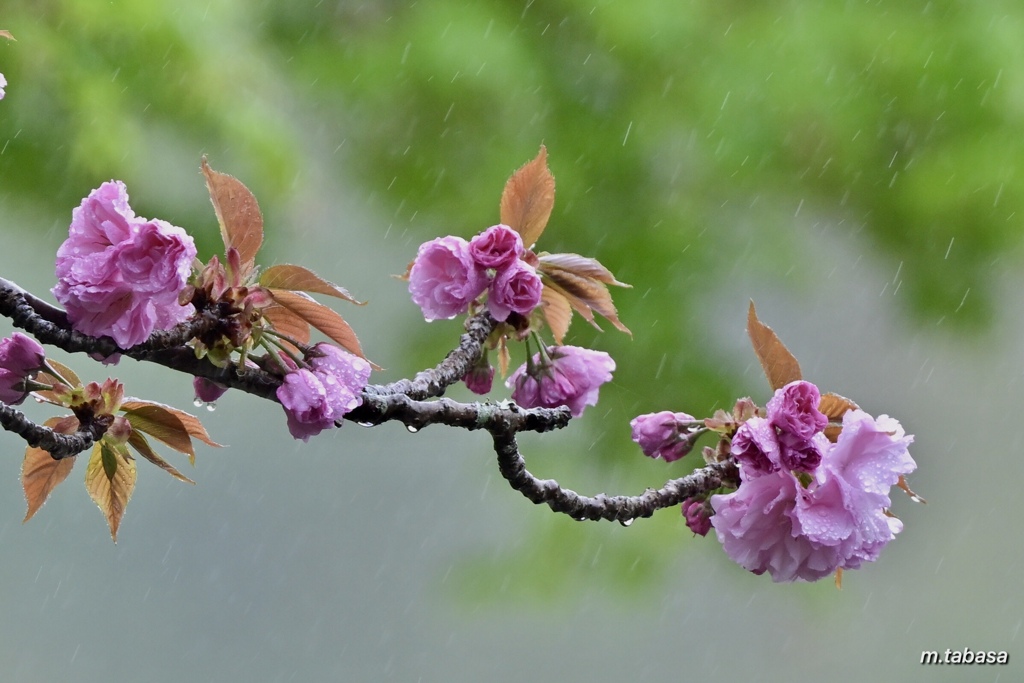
(40, 473)
(325, 319)
(503, 356)
(238, 213)
(110, 480)
(297, 278)
(68, 375)
(528, 198)
(140, 443)
(780, 366)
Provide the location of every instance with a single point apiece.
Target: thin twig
(618, 508)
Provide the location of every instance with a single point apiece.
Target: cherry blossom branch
(433, 382)
(623, 509)
(400, 400)
(59, 446)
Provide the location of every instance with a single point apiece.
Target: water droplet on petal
(198, 403)
(365, 424)
(210, 407)
(625, 522)
(412, 430)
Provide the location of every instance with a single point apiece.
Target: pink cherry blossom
(307, 404)
(444, 278)
(697, 513)
(207, 390)
(119, 275)
(805, 529)
(663, 435)
(755, 446)
(20, 358)
(515, 288)
(571, 378)
(344, 373)
(480, 378)
(794, 410)
(496, 247)
(318, 398)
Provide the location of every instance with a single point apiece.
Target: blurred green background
(851, 166)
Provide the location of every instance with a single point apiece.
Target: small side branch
(623, 509)
(433, 382)
(504, 416)
(58, 445)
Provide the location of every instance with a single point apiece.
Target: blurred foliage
(688, 140)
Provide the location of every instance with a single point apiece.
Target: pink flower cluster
(570, 376)
(449, 273)
(801, 516)
(316, 398)
(119, 275)
(20, 358)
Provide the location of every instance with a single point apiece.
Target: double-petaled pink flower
(20, 358)
(119, 275)
(315, 399)
(449, 273)
(804, 523)
(790, 438)
(569, 376)
(664, 435)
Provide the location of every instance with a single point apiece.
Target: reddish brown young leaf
(7, 35)
(408, 269)
(583, 292)
(238, 212)
(297, 278)
(582, 266)
(140, 443)
(287, 323)
(902, 483)
(110, 480)
(191, 423)
(162, 424)
(528, 198)
(780, 366)
(40, 473)
(833, 406)
(557, 312)
(321, 317)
